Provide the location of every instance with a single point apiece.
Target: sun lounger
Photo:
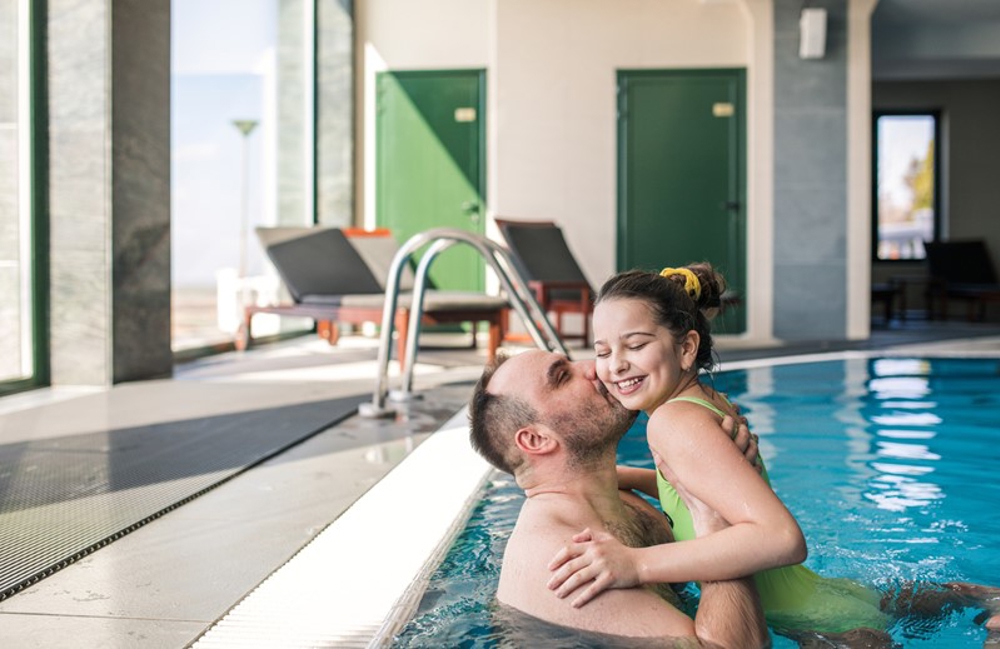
(333, 278)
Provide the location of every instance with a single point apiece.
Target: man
(551, 424)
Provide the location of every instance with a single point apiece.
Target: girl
(652, 340)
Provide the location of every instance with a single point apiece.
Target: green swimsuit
(794, 597)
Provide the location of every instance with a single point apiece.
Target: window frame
(36, 175)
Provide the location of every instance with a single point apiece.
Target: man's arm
(635, 612)
(730, 613)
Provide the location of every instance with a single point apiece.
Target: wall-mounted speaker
(812, 33)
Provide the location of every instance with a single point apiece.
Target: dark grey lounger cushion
(433, 301)
(317, 262)
(378, 252)
(541, 253)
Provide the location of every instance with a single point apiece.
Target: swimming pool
(889, 464)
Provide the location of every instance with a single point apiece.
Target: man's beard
(593, 432)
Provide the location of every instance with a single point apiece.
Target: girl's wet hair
(672, 303)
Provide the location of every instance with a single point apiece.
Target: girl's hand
(602, 561)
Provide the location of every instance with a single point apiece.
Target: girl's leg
(863, 638)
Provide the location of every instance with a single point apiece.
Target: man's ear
(535, 440)
(689, 349)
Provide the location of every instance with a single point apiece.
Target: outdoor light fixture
(812, 33)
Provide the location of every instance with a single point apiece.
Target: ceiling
(936, 39)
(937, 11)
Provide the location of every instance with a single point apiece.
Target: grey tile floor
(164, 584)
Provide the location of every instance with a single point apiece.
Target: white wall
(556, 146)
(551, 74)
(408, 35)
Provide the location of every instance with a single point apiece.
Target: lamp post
(245, 126)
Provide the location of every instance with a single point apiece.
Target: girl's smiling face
(638, 360)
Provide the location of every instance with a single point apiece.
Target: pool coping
(362, 577)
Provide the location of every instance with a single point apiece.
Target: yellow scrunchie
(691, 284)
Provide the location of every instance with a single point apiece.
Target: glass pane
(16, 353)
(905, 185)
(228, 58)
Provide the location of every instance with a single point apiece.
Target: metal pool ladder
(515, 286)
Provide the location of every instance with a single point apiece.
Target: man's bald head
(494, 418)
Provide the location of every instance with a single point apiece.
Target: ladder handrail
(516, 287)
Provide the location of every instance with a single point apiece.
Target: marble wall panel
(109, 196)
(79, 291)
(814, 149)
(79, 352)
(810, 178)
(79, 185)
(335, 113)
(140, 157)
(292, 170)
(812, 302)
(812, 235)
(8, 62)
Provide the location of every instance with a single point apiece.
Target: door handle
(732, 206)
(471, 209)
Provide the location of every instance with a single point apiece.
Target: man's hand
(600, 561)
(745, 441)
(704, 519)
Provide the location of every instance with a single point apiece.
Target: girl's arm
(633, 478)
(762, 534)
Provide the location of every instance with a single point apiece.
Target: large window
(238, 72)
(19, 358)
(906, 184)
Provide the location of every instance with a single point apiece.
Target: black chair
(334, 278)
(540, 253)
(961, 270)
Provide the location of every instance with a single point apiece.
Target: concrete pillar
(109, 190)
(316, 112)
(335, 112)
(810, 177)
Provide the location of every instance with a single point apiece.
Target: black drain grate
(64, 497)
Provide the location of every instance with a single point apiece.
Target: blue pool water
(889, 465)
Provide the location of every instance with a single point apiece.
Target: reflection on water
(907, 419)
(897, 492)
(899, 387)
(901, 367)
(906, 451)
(904, 409)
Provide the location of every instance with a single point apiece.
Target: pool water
(888, 464)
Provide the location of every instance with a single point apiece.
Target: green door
(681, 166)
(430, 134)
